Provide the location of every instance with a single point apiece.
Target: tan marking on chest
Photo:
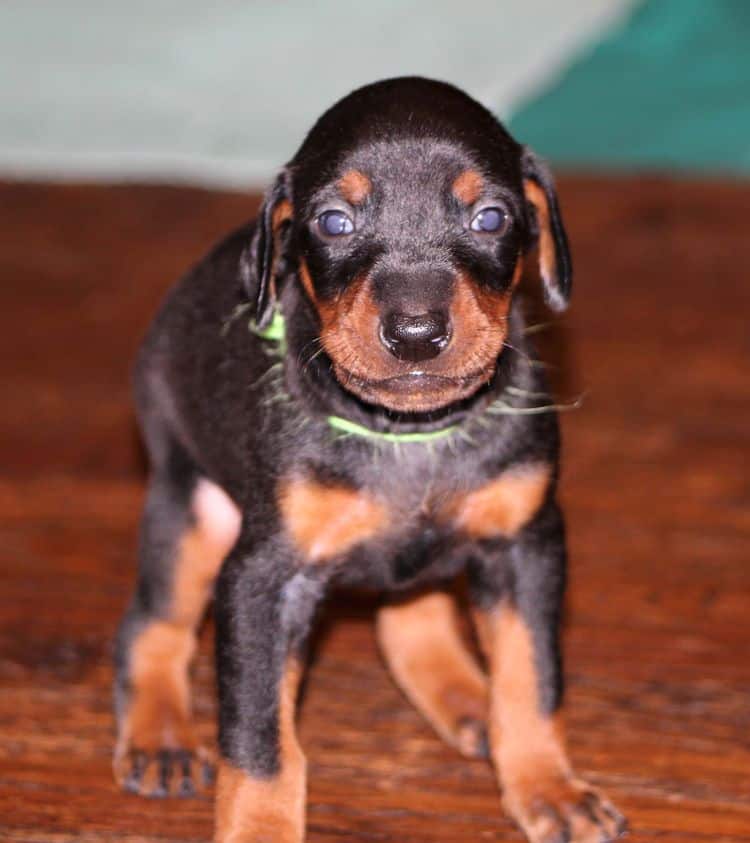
(326, 521)
(504, 505)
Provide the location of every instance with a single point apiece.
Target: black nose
(415, 338)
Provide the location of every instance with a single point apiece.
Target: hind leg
(422, 645)
(189, 525)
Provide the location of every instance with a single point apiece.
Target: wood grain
(655, 485)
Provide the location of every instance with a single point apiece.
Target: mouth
(415, 391)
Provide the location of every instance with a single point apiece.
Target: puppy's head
(405, 217)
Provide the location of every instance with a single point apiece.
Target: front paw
(563, 810)
(261, 810)
(164, 772)
(261, 827)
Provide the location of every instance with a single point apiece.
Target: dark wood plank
(655, 486)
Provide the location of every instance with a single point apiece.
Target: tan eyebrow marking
(355, 186)
(467, 187)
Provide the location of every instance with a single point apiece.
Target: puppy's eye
(335, 223)
(490, 221)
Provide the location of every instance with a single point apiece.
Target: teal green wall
(668, 90)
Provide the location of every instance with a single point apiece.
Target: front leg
(518, 588)
(264, 611)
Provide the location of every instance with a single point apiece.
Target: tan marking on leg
(355, 186)
(467, 187)
(158, 715)
(547, 252)
(202, 552)
(528, 748)
(254, 810)
(528, 737)
(326, 521)
(422, 645)
(504, 505)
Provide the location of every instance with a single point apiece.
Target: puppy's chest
(405, 522)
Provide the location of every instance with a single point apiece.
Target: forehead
(405, 128)
(416, 167)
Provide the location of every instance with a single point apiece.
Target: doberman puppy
(343, 393)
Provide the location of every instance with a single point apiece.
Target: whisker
(502, 408)
(525, 393)
(234, 316)
(540, 326)
(312, 357)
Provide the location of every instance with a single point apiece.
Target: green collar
(351, 428)
(276, 332)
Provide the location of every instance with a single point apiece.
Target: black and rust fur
(404, 323)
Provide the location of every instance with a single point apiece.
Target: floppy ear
(260, 260)
(554, 256)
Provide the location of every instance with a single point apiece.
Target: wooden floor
(655, 485)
